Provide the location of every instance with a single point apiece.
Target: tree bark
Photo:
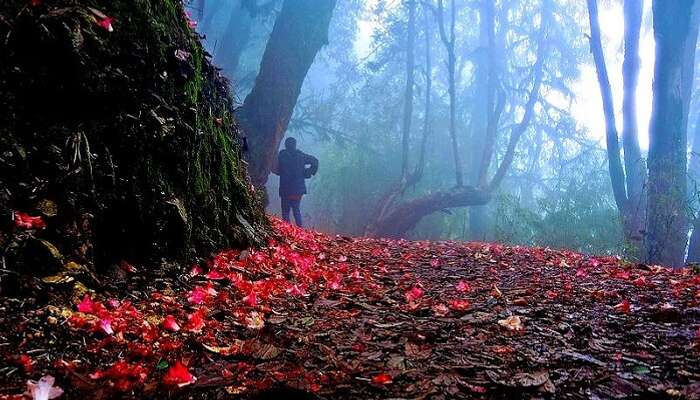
(667, 223)
(300, 31)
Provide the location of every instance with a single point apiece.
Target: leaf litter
(339, 318)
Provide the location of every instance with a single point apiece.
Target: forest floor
(317, 316)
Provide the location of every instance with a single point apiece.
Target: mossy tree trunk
(118, 130)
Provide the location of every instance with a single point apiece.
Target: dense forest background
(409, 100)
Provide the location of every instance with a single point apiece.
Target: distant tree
(403, 216)
(300, 31)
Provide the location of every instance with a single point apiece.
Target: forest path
(338, 317)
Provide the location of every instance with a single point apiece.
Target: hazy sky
(587, 108)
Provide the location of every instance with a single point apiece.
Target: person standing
(293, 167)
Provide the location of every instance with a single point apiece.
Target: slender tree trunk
(667, 223)
(408, 97)
(449, 43)
(300, 31)
(635, 165)
(617, 172)
(420, 167)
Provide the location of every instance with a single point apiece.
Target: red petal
(178, 375)
(170, 324)
(382, 379)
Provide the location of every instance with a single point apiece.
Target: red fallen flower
(460, 305)
(580, 273)
(26, 363)
(414, 294)
(127, 267)
(463, 287)
(382, 379)
(624, 306)
(251, 299)
(503, 350)
(178, 375)
(640, 282)
(123, 375)
(215, 275)
(621, 274)
(106, 325)
(87, 305)
(440, 310)
(551, 294)
(197, 296)
(170, 324)
(106, 23)
(35, 3)
(435, 263)
(196, 270)
(195, 321)
(24, 221)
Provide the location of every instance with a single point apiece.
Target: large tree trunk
(123, 141)
(300, 31)
(667, 223)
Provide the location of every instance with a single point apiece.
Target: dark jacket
(294, 167)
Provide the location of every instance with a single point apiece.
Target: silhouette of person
(293, 167)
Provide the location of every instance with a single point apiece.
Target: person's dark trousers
(295, 206)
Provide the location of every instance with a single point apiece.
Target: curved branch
(405, 216)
